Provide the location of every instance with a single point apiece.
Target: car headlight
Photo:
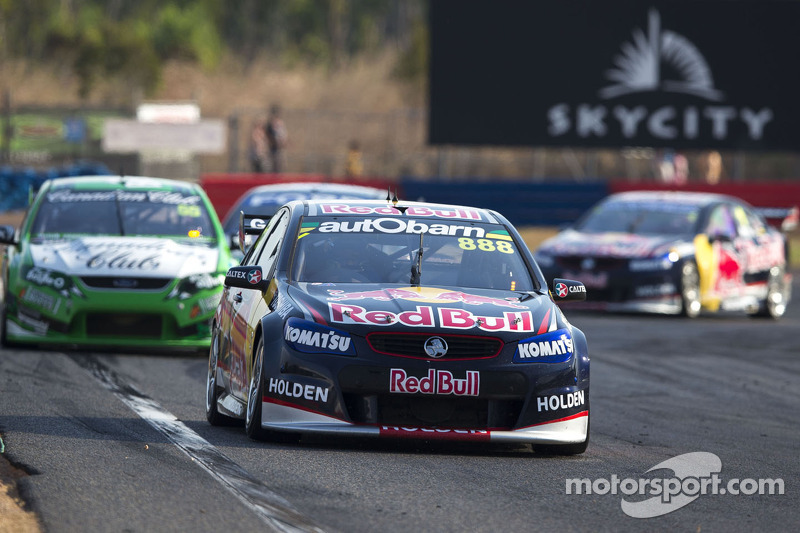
(310, 337)
(553, 347)
(664, 262)
(191, 285)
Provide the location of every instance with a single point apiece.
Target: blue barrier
(15, 183)
(523, 203)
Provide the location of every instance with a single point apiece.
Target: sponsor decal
(48, 278)
(306, 228)
(157, 197)
(553, 347)
(561, 401)
(237, 274)
(36, 297)
(763, 255)
(309, 337)
(397, 225)
(283, 307)
(290, 389)
(439, 382)
(209, 303)
(205, 281)
(254, 277)
(423, 316)
(39, 327)
(435, 433)
(417, 211)
(423, 294)
(561, 290)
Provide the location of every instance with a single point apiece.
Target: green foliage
(187, 33)
(413, 62)
(131, 39)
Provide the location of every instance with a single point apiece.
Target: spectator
(277, 137)
(258, 147)
(713, 167)
(354, 167)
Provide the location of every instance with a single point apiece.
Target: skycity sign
(678, 74)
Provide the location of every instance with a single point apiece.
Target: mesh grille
(121, 283)
(124, 325)
(413, 345)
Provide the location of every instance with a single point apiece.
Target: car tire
(214, 417)
(564, 449)
(255, 394)
(690, 290)
(774, 305)
(4, 323)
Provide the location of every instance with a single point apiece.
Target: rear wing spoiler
(250, 225)
(785, 218)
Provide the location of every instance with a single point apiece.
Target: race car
(400, 320)
(263, 201)
(679, 253)
(120, 262)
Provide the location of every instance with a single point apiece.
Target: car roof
(121, 183)
(359, 207)
(315, 187)
(674, 197)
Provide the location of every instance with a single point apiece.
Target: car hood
(622, 245)
(364, 308)
(125, 256)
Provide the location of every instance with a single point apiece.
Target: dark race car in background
(261, 202)
(126, 262)
(413, 320)
(675, 253)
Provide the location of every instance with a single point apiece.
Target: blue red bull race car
(677, 253)
(400, 320)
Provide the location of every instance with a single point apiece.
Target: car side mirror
(246, 277)
(7, 234)
(720, 237)
(567, 290)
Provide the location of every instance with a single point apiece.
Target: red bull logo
(436, 382)
(423, 316)
(424, 294)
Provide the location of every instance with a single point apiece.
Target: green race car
(118, 262)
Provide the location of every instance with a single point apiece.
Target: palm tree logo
(641, 64)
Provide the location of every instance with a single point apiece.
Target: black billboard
(684, 74)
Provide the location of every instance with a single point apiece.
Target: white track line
(273, 509)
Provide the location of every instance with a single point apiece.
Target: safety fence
(16, 184)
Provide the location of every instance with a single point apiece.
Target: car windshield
(387, 251)
(104, 212)
(641, 217)
(266, 203)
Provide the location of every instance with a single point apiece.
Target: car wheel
(690, 290)
(255, 395)
(214, 417)
(774, 305)
(4, 325)
(564, 449)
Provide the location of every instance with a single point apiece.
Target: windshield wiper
(416, 268)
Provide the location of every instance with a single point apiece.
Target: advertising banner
(699, 74)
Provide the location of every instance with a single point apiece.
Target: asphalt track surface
(117, 442)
